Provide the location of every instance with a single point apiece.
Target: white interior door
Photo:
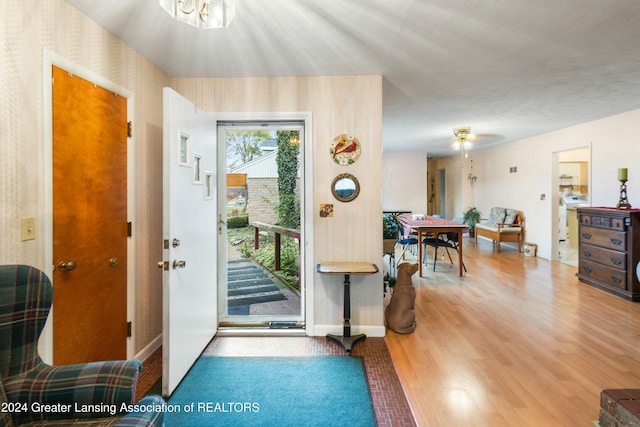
(189, 236)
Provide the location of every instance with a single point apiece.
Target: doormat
(282, 391)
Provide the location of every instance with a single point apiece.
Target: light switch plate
(27, 228)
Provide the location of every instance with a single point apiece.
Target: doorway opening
(261, 203)
(572, 180)
(442, 194)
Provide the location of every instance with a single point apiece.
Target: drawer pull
(617, 261)
(616, 241)
(615, 279)
(586, 253)
(587, 269)
(586, 235)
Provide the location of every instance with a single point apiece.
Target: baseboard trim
(146, 352)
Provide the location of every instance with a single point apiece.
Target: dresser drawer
(611, 258)
(603, 222)
(616, 240)
(608, 275)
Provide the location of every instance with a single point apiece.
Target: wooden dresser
(609, 250)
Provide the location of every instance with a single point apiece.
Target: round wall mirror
(345, 187)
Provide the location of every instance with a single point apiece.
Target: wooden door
(89, 221)
(190, 236)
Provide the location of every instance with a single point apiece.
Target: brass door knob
(66, 265)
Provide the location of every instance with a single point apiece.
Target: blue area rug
(273, 391)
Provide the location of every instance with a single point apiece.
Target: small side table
(347, 268)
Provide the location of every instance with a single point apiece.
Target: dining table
(425, 225)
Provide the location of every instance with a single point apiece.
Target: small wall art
(326, 210)
(345, 149)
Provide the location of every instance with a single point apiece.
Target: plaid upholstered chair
(28, 385)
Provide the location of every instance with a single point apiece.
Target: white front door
(189, 236)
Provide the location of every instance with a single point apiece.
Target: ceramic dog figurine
(400, 314)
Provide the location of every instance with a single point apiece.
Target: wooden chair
(503, 225)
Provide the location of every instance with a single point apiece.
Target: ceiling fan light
(463, 139)
(462, 132)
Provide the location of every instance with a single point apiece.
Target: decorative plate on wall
(345, 149)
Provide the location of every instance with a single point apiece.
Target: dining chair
(406, 243)
(407, 240)
(446, 241)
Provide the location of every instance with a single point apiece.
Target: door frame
(442, 191)
(50, 59)
(307, 223)
(555, 195)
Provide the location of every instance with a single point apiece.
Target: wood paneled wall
(338, 105)
(29, 27)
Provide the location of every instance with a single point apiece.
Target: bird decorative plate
(345, 149)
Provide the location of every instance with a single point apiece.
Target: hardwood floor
(517, 341)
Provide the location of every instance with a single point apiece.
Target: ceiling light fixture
(463, 139)
(201, 13)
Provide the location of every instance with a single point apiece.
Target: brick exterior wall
(263, 199)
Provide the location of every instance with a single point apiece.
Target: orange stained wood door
(89, 221)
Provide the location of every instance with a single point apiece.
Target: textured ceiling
(508, 68)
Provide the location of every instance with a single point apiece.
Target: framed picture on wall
(345, 149)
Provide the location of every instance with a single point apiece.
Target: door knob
(179, 264)
(163, 265)
(66, 265)
(113, 262)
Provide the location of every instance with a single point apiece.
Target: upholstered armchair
(34, 393)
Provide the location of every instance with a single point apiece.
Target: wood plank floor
(518, 341)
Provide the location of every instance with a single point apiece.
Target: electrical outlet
(27, 228)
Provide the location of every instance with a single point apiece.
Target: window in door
(262, 206)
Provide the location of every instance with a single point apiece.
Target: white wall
(614, 143)
(404, 182)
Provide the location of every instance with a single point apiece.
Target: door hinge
(128, 329)
(129, 129)
(129, 228)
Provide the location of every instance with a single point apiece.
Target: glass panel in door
(263, 205)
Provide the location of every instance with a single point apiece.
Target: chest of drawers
(609, 250)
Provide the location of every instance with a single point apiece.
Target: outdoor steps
(249, 284)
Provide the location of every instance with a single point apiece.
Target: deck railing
(278, 232)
